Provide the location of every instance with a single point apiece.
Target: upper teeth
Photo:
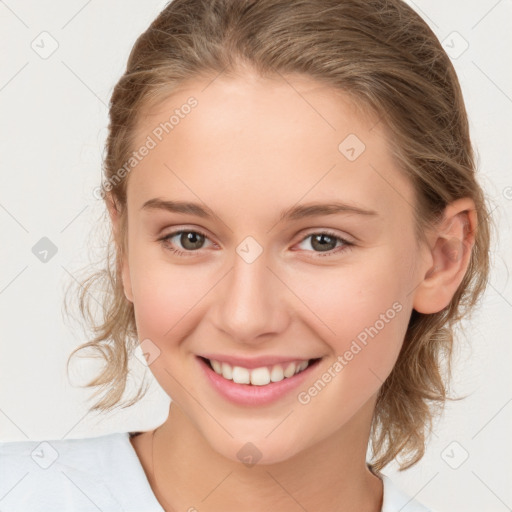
(258, 376)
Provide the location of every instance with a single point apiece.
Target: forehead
(285, 139)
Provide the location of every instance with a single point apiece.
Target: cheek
(349, 298)
(368, 332)
(361, 312)
(165, 295)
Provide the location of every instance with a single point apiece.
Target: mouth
(252, 383)
(262, 375)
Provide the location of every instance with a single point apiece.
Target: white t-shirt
(101, 473)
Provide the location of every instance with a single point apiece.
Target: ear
(450, 252)
(122, 260)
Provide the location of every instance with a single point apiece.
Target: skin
(251, 148)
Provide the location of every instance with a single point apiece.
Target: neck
(329, 476)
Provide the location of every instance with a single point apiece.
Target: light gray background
(53, 127)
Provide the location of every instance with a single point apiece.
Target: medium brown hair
(384, 56)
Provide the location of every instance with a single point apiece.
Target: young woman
(297, 226)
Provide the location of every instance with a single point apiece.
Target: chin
(256, 450)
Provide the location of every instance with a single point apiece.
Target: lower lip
(247, 394)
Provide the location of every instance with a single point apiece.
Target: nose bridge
(250, 302)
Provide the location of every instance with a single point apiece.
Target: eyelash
(347, 245)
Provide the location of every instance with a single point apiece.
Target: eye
(327, 243)
(191, 241)
(324, 243)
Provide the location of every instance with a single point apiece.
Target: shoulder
(94, 473)
(396, 500)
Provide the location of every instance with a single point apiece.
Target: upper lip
(254, 362)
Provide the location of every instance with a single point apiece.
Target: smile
(258, 376)
(255, 382)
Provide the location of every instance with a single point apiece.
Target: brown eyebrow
(177, 207)
(313, 209)
(293, 213)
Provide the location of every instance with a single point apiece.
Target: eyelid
(331, 232)
(174, 230)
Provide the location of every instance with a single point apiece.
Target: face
(262, 273)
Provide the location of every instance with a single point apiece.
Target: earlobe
(450, 254)
(122, 261)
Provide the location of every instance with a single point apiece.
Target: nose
(251, 303)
